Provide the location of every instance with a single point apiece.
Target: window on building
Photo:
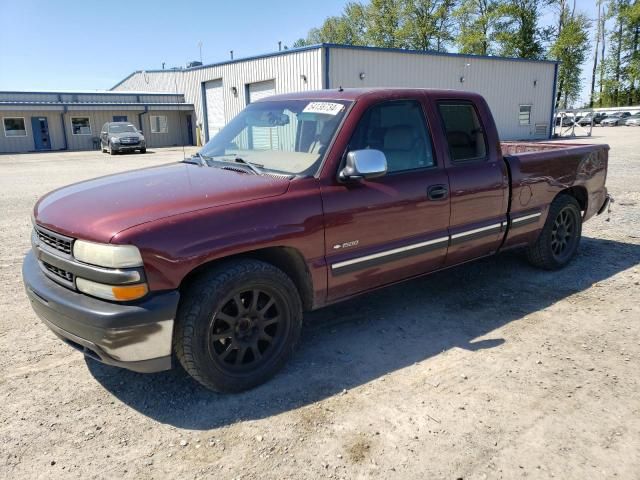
(525, 115)
(399, 130)
(14, 127)
(464, 131)
(80, 126)
(159, 124)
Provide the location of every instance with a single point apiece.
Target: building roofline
(336, 46)
(93, 104)
(434, 53)
(86, 92)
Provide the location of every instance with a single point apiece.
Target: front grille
(58, 242)
(129, 140)
(59, 272)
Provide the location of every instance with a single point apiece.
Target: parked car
(615, 119)
(118, 137)
(565, 120)
(633, 120)
(215, 258)
(596, 118)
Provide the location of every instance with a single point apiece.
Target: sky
(91, 45)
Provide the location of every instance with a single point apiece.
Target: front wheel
(560, 237)
(237, 325)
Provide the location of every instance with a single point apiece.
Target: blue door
(190, 130)
(120, 118)
(40, 128)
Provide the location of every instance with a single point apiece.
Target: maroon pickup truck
(301, 201)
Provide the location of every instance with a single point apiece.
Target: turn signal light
(120, 293)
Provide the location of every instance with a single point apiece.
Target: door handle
(437, 192)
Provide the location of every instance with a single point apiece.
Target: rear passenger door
(386, 229)
(478, 181)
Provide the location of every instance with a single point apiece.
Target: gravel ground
(490, 370)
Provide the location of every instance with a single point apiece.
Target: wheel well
(580, 194)
(287, 259)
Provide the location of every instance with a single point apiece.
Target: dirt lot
(491, 370)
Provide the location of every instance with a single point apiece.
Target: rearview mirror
(364, 164)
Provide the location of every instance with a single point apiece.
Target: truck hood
(98, 209)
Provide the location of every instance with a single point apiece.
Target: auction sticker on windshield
(328, 108)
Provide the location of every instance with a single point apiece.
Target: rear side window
(399, 130)
(465, 135)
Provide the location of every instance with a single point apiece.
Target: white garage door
(263, 138)
(261, 89)
(215, 106)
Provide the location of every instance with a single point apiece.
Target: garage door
(260, 90)
(215, 106)
(262, 138)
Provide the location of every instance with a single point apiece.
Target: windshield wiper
(255, 168)
(199, 160)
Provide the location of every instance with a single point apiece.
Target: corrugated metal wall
(286, 69)
(504, 84)
(26, 144)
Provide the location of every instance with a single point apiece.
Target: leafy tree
(348, 28)
(517, 31)
(476, 21)
(383, 24)
(570, 48)
(428, 24)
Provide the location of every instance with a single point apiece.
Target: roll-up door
(262, 138)
(215, 106)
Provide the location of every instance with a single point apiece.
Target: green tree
(570, 48)
(384, 19)
(476, 20)
(348, 28)
(517, 31)
(427, 24)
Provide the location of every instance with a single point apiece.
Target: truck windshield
(289, 136)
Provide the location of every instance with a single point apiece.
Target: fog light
(121, 293)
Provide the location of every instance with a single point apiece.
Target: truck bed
(512, 148)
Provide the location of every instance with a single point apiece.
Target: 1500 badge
(353, 243)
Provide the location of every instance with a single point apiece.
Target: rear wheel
(237, 325)
(560, 237)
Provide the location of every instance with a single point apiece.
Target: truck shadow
(361, 340)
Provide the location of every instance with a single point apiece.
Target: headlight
(115, 140)
(105, 255)
(122, 293)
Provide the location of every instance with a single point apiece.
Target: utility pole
(595, 54)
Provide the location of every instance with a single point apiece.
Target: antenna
(200, 48)
(231, 53)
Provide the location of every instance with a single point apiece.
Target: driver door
(393, 227)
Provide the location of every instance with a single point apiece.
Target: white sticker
(328, 108)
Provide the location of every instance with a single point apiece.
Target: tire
(560, 237)
(143, 150)
(229, 338)
(111, 152)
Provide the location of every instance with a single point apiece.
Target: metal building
(40, 121)
(520, 92)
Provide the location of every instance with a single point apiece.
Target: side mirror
(364, 164)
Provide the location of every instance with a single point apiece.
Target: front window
(122, 129)
(80, 126)
(525, 115)
(159, 124)
(289, 136)
(14, 127)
